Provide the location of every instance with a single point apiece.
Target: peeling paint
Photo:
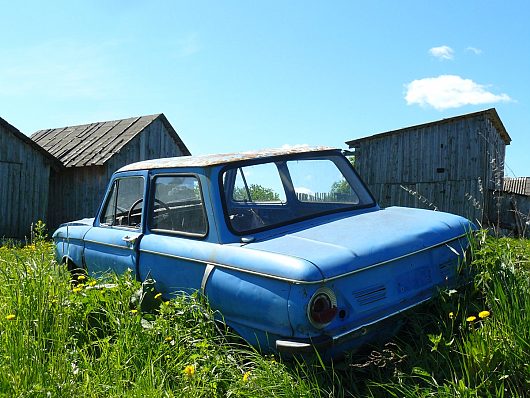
(216, 159)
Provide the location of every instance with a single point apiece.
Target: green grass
(89, 340)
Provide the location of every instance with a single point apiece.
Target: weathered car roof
(216, 159)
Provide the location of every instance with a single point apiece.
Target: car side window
(178, 206)
(258, 183)
(124, 204)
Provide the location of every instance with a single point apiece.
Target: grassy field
(88, 340)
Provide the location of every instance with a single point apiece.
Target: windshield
(263, 195)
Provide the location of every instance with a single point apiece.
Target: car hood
(84, 221)
(358, 241)
(74, 229)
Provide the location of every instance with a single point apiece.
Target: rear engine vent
(447, 269)
(370, 295)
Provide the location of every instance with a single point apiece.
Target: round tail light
(322, 307)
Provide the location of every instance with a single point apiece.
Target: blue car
(288, 245)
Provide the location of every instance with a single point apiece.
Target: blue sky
(240, 75)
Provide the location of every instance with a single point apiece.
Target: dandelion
(168, 338)
(134, 312)
(471, 318)
(166, 302)
(11, 317)
(92, 283)
(77, 289)
(81, 278)
(189, 370)
(484, 314)
(246, 376)
(452, 315)
(158, 295)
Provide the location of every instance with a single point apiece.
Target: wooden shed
(25, 170)
(454, 165)
(90, 154)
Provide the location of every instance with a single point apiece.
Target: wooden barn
(90, 153)
(454, 165)
(25, 170)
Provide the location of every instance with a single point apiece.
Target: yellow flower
(11, 317)
(483, 314)
(471, 318)
(246, 376)
(134, 312)
(92, 283)
(189, 370)
(81, 278)
(168, 338)
(158, 295)
(451, 315)
(166, 302)
(77, 289)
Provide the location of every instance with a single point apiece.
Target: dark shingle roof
(21, 136)
(94, 144)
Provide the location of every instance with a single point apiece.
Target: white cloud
(474, 50)
(189, 45)
(442, 52)
(450, 91)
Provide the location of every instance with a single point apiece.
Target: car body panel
(262, 281)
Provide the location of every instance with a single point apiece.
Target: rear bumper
(347, 339)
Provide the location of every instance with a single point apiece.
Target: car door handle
(129, 239)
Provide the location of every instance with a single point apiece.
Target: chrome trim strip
(230, 267)
(396, 258)
(349, 332)
(207, 272)
(307, 345)
(109, 244)
(297, 281)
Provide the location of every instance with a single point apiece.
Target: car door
(112, 244)
(175, 249)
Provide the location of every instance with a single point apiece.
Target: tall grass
(87, 339)
(91, 339)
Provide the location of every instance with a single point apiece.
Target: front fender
(69, 244)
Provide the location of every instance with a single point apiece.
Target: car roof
(223, 158)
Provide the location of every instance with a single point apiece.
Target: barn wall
(78, 191)
(24, 175)
(75, 193)
(449, 166)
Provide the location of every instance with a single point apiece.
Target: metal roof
(94, 144)
(491, 114)
(519, 185)
(216, 159)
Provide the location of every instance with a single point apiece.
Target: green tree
(341, 188)
(257, 192)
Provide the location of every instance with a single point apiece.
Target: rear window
(264, 195)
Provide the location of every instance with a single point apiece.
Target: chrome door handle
(129, 239)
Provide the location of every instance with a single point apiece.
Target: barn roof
(491, 114)
(221, 158)
(94, 144)
(23, 137)
(519, 185)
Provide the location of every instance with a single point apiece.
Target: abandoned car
(288, 245)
